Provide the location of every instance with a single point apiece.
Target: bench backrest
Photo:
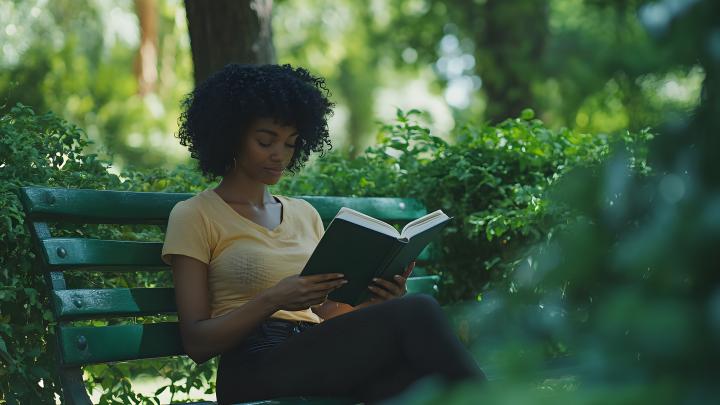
(81, 345)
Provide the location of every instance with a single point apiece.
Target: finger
(328, 285)
(409, 269)
(317, 278)
(402, 285)
(392, 287)
(380, 292)
(401, 282)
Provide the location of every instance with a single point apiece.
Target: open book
(362, 247)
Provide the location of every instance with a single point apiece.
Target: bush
(632, 287)
(492, 180)
(45, 150)
(38, 150)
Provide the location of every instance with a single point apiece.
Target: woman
(236, 252)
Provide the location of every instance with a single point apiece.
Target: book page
(367, 221)
(428, 221)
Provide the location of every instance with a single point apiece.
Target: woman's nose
(276, 155)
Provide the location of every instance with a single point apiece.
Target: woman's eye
(290, 146)
(265, 145)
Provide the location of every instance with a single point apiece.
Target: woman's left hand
(384, 290)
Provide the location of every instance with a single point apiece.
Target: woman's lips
(275, 171)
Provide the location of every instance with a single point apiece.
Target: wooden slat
(115, 302)
(386, 209)
(120, 207)
(98, 303)
(64, 253)
(98, 206)
(112, 255)
(89, 345)
(423, 284)
(424, 255)
(419, 271)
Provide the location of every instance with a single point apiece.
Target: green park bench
(77, 345)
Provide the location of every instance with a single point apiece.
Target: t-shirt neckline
(283, 212)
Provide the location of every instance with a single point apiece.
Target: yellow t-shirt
(243, 257)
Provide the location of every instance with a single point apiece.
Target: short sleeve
(319, 227)
(317, 222)
(186, 234)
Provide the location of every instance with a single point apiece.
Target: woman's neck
(240, 189)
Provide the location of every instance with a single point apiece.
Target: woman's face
(267, 150)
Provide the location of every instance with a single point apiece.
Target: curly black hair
(218, 112)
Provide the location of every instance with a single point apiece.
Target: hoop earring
(234, 163)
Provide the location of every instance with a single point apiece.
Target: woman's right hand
(296, 293)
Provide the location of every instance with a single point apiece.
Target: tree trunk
(146, 61)
(510, 47)
(228, 31)
(357, 81)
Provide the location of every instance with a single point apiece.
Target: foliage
(45, 150)
(584, 64)
(632, 287)
(491, 180)
(599, 71)
(41, 150)
(76, 58)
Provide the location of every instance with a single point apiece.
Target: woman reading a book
(236, 252)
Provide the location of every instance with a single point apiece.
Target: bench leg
(73, 386)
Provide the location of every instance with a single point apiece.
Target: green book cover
(362, 247)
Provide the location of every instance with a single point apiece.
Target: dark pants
(367, 354)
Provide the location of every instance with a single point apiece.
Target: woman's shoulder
(193, 205)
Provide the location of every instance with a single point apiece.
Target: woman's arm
(204, 337)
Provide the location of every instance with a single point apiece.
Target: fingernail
(343, 282)
(397, 276)
(375, 279)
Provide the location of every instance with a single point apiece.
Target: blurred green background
(575, 142)
(582, 64)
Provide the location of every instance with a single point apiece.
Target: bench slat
(126, 207)
(386, 209)
(423, 284)
(98, 303)
(102, 255)
(424, 256)
(99, 344)
(114, 255)
(117, 302)
(98, 206)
